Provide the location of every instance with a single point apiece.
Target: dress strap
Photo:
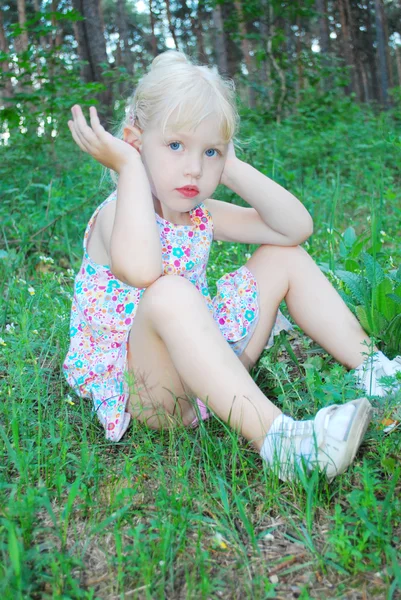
(113, 196)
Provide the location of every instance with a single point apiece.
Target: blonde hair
(175, 84)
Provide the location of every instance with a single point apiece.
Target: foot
(377, 375)
(329, 441)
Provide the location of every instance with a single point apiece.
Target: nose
(193, 166)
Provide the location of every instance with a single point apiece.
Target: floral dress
(103, 310)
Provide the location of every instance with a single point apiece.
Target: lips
(189, 188)
(189, 191)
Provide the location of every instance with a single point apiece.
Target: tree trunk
(347, 45)
(265, 70)
(357, 72)
(171, 24)
(387, 46)
(7, 91)
(245, 47)
(276, 67)
(196, 23)
(21, 42)
(219, 41)
(38, 8)
(381, 53)
(123, 45)
(152, 27)
(92, 48)
(324, 41)
(372, 59)
(300, 70)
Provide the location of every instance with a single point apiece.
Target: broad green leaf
(349, 237)
(374, 272)
(382, 303)
(363, 319)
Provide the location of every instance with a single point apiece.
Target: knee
(168, 294)
(278, 254)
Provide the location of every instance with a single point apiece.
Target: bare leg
(290, 273)
(176, 346)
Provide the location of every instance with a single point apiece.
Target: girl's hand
(96, 141)
(231, 159)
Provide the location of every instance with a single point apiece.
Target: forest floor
(195, 513)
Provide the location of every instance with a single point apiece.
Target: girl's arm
(135, 247)
(132, 243)
(277, 217)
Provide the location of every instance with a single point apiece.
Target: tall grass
(195, 513)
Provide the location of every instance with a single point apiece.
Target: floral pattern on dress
(103, 310)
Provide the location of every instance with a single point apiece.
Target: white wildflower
(10, 327)
(31, 290)
(247, 255)
(2, 342)
(35, 332)
(69, 400)
(46, 259)
(383, 233)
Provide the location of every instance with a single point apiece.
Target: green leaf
(349, 237)
(363, 319)
(352, 265)
(356, 285)
(374, 272)
(382, 302)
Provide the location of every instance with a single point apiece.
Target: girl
(143, 344)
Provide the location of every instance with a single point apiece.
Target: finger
(96, 125)
(75, 136)
(83, 130)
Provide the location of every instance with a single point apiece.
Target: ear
(133, 136)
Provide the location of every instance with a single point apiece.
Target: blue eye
(174, 145)
(211, 150)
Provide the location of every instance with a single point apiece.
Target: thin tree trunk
(347, 44)
(21, 42)
(219, 41)
(171, 24)
(324, 40)
(387, 46)
(38, 8)
(196, 23)
(372, 62)
(276, 67)
(123, 45)
(92, 48)
(381, 53)
(300, 78)
(265, 70)
(152, 27)
(357, 70)
(245, 47)
(5, 66)
(398, 63)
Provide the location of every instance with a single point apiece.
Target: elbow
(308, 230)
(135, 280)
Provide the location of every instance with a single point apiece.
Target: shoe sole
(356, 433)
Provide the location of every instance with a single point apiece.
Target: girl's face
(183, 158)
